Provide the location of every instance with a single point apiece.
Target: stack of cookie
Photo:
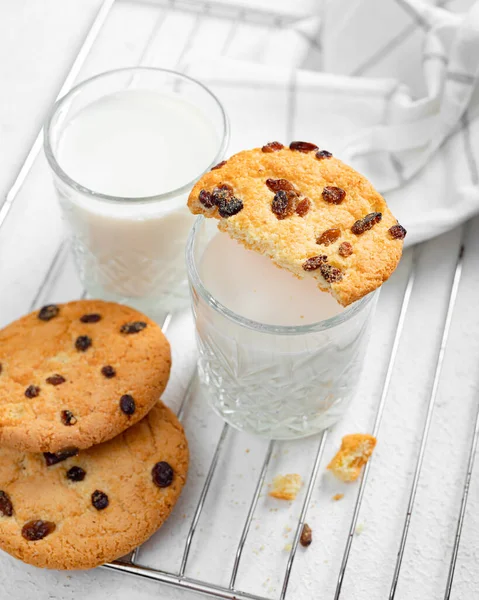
(91, 462)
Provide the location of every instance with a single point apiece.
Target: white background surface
(38, 42)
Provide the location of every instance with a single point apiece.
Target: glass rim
(201, 289)
(58, 170)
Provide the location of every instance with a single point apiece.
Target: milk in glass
(132, 145)
(250, 285)
(277, 356)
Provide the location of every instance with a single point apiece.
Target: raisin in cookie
(309, 212)
(97, 506)
(77, 374)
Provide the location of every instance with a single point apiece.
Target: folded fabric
(413, 136)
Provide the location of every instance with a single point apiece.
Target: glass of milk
(126, 148)
(277, 357)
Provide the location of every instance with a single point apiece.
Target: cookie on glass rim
(96, 506)
(309, 212)
(77, 374)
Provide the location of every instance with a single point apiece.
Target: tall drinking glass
(280, 382)
(125, 148)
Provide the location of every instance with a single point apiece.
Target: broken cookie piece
(355, 451)
(283, 202)
(286, 487)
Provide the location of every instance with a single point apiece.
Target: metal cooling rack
(178, 578)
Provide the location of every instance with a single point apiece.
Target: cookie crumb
(355, 451)
(337, 497)
(359, 529)
(286, 487)
(288, 547)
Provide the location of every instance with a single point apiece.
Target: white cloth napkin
(390, 87)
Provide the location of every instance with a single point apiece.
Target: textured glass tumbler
(131, 249)
(276, 382)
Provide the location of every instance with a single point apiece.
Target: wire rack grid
(57, 274)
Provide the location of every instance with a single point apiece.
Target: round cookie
(309, 212)
(97, 506)
(77, 374)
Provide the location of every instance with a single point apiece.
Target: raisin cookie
(97, 506)
(309, 212)
(77, 374)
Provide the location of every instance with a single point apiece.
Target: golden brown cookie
(96, 506)
(309, 212)
(77, 374)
